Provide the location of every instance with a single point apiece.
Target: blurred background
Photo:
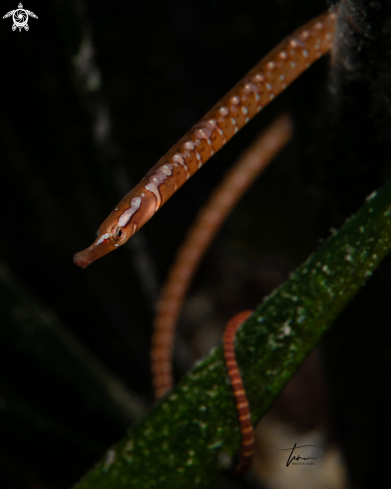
(91, 97)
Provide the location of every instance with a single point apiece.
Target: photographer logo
(20, 16)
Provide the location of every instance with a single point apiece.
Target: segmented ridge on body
(242, 405)
(208, 223)
(261, 85)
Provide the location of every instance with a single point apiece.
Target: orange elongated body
(208, 222)
(242, 405)
(264, 82)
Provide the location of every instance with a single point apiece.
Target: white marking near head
(102, 238)
(134, 207)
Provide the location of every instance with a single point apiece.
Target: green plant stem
(192, 434)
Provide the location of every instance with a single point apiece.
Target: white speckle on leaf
(110, 457)
(285, 329)
(371, 196)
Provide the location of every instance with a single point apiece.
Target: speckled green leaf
(192, 434)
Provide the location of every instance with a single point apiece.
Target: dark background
(77, 130)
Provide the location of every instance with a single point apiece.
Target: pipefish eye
(117, 233)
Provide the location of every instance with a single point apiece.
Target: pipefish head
(109, 238)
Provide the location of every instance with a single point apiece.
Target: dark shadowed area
(93, 94)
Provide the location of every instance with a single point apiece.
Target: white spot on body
(211, 124)
(268, 86)
(143, 195)
(245, 110)
(189, 145)
(271, 65)
(250, 87)
(305, 53)
(233, 121)
(259, 78)
(293, 64)
(203, 133)
(178, 158)
(235, 100)
(283, 55)
(224, 111)
(282, 77)
(157, 179)
(319, 26)
(134, 207)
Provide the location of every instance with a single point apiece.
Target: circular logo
(20, 18)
